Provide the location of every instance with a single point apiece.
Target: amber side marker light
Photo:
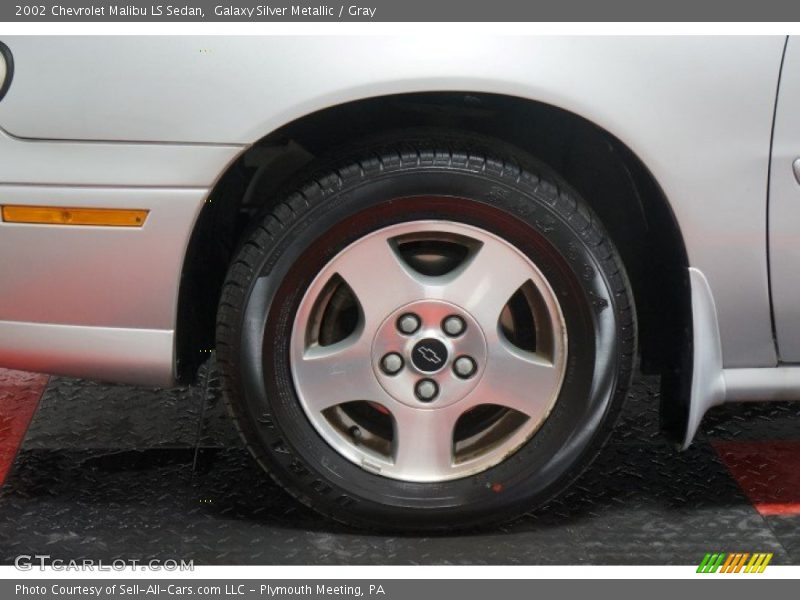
(59, 215)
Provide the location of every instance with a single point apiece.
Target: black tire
(479, 182)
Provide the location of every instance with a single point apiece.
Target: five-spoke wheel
(430, 381)
(426, 336)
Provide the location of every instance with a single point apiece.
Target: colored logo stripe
(711, 563)
(758, 563)
(734, 563)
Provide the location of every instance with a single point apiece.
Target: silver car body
(153, 123)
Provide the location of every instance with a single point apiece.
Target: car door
(784, 208)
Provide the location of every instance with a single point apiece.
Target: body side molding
(125, 355)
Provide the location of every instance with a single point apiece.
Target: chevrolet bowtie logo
(429, 354)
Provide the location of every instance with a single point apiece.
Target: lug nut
(454, 325)
(392, 363)
(464, 367)
(426, 389)
(408, 323)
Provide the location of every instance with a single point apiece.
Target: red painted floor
(768, 472)
(20, 393)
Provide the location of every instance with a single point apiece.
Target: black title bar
(400, 10)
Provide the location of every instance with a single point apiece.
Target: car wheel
(429, 334)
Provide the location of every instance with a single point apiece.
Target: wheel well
(601, 168)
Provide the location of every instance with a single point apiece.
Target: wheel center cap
(404, 358)
(429, 355)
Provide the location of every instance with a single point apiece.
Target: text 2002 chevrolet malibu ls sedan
(428, 266)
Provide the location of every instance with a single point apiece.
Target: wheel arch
(606, 171)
